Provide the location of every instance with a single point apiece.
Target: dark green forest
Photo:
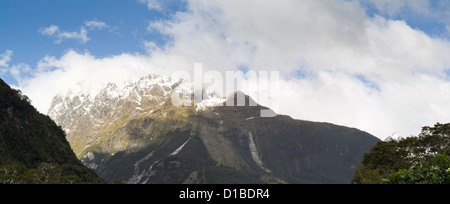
(424, 159)
(33, 149)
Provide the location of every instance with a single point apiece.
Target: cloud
(342, 99)
(337, 64)
(18, 71)
(430, 11)
(95, 24)
(51, 30)
(392, 8)
(152, 4)
(5, 58)
(151, 47)
(307, 36)
(55, 32)
(81, 35)
(423, 8)
(79, 71)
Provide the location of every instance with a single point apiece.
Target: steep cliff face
(134, 132)
(30, 140)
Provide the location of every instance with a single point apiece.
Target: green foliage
(44, 174)
(30, 140)
(410, 159)
(369, 176)
(434, 172)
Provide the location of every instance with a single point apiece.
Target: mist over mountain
(133, 132)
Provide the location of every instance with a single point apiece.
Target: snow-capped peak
(211, 100)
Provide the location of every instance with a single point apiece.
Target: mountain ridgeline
(33, 149)
(132, 132)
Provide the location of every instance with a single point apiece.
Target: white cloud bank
(338, 65)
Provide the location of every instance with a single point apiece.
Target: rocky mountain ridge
(134, 132)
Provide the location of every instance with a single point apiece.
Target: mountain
(33, 149)
(133, 132)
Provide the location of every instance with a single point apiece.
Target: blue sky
(127, 20)
(378, 65)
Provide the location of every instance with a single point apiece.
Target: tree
(12, 174)
(435, 172)
(411, 156)
(46, 173)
